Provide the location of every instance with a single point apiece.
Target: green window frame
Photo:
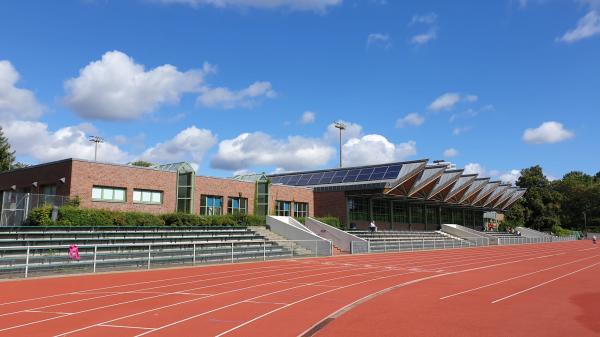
(400, 212)
(358, 209)
(381, 210)
(432, 215)
(211, 205)
(109, 194)
(150, 197)
(282, 208)
(237, 205)
(300, 209)
(416, 215)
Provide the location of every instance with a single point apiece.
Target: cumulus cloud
(228, 99)
(296, 5)
(259, 150)
(30, 138)
(429, 21)
(445, 102)
(16, 103)
(450, 153)
(412, 119)
(547, 133)
(190, 144)
(379, 39)
(510, 177)
(587, 26)
(374, 149)
(474, 168)
(308, 117)
(117, 88)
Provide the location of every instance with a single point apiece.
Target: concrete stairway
(280, 240)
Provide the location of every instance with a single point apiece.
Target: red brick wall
(225, 188)
(49, 174)
(88, 174)
(293, 194)
(331, 203)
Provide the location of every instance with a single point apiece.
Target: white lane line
(263, 302)
(544, 283)
(124, 326)
(583, 250)
(513, 278)
(50, 312)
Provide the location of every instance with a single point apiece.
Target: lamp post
(341, 126)
(96, 140)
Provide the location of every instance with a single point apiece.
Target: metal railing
(399, 245)
(528, 240)
(25, 260)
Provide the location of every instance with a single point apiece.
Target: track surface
(527, 290)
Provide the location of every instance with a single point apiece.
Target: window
(446, 216)
(112, 194)
(381, 210)
(211, 205)
(262, 197)
(48, 189)
(300, 210)
(400, 212)
(432, 215)
(282, 208)
(457, 216)
(358, 209)
(237, 205)
(185, 184)
(416, 215)
(147, 197)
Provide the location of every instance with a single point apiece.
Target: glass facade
(300, 209)
(262, 198)
(431, 215)
(282, 208)
(211, 205)
(400, 212)
(237, 206)
(358, 209)
(381, 210)
(185, 191)
(416, 215)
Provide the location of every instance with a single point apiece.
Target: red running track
(526, 290)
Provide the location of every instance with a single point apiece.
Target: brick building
(411, 195)
(160, 189)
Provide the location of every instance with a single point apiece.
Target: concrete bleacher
(46, 249)
(388, 240)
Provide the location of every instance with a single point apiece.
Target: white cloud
(29, 138)
(297, 5)
(413, 119)
(117, 88)
(430, 18)
(474, 168)
(190, 144)
(510, 177)
(471, 98)
(445, 102)
(375, 149)
(228, 99)
(353, 130)
(587, 26)
(547, 133)
(378, 39)
(450, 153)
(424, 37)
(16, 103)
(259, 150)
(459, 130)
(308, 117)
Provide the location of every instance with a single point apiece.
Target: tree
(142, 163)
(541, 202)
(7, 156)
(19, 165)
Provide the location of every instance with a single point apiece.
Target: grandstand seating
(387, 240)
(127, 247)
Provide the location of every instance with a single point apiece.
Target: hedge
(329, 219)
(75, 216)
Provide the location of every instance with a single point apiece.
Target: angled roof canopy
(427, 180)
(485, 193)
(474, 190)
(460, 187)
(444, 184)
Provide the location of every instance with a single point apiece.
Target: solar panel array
(383, 172)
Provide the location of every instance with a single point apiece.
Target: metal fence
(526, 240)
(42, 260)
(16, 206)
(400, 245)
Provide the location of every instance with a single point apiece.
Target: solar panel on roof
(392, 172)
(339, 176)
(315, 178)
(364, 174)
(378, 173)
(294, 180)
(326, 179)
(304, 179)
(351, 176)
(284, 180)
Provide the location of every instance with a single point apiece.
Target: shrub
(331, 221)
(559, 231)
(74, 201)
(41, 216)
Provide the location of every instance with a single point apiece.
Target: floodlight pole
(341, 126)
(96, 140)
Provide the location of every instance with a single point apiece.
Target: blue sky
(254, 85)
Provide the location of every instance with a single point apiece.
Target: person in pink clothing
(74, 252)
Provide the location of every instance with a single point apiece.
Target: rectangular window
(400, 212)
(300, 210)
(111, 194)
(237, 205)
(48, 189)
(211, 205)
(282, 208)
(358, 209)
(432, 215)
(147, 197)
(381, 210)
(416, 215)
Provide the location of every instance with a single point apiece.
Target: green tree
(142, 163)
(7, 156)
(541, 203)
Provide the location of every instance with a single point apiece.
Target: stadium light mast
(96, 140)
(341, 126)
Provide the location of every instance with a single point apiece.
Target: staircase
(280, 240)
